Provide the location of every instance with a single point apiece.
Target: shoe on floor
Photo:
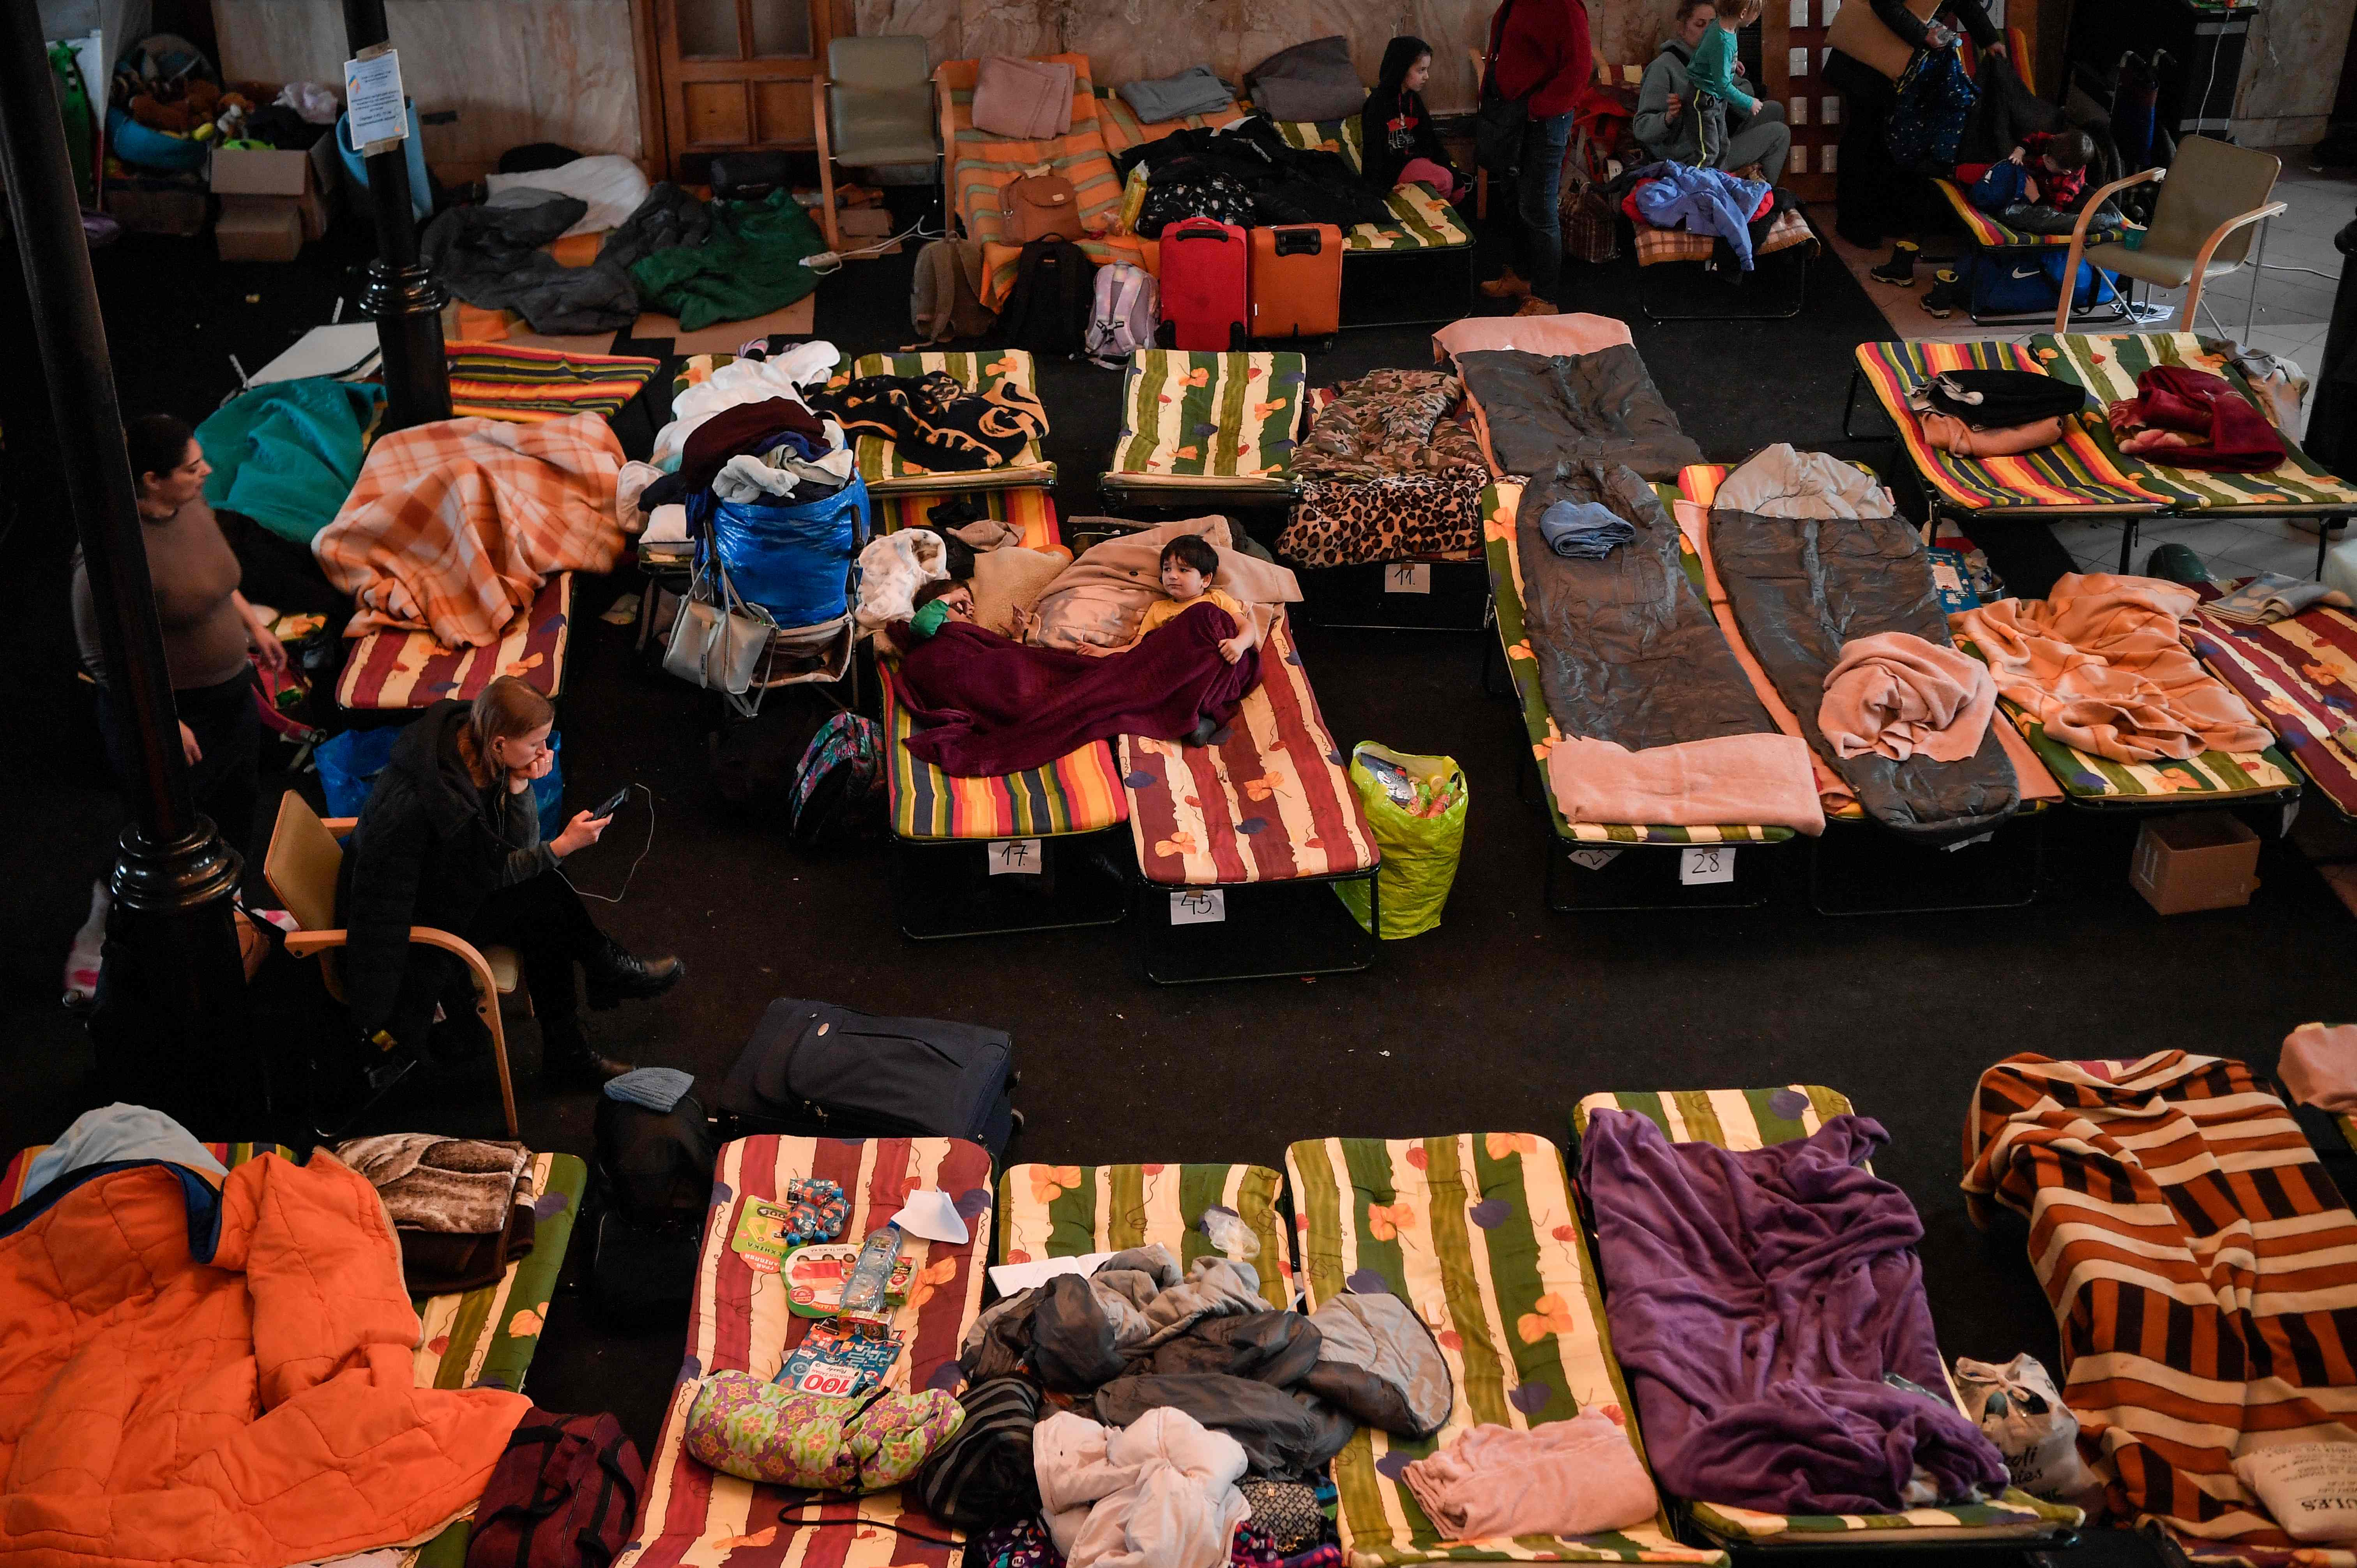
(1506, 285)
(1899, 270)
(616, 976)
(1940, 301)
(1534, 306)
(567, 1059)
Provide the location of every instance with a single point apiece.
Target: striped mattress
(1420, 220)
(391, 669)
(1476, 1233)
(483, 1338)
(1746, 1118)
(1988, 234)
(527, 386)
(1080, 792)
(1192, 420)
(2202, 1266)
(2079, 476)
(1118, 124)
(1027, 507)
(1069, 1211)
(694, 1515)
(1267, 801)
(2300, 677)
(889, 473)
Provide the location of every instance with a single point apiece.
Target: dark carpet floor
(1499, 1019)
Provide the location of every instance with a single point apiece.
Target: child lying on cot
(2047, 169)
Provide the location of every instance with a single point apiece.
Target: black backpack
(653, 1187)
(815, 1070)
(1047, 310)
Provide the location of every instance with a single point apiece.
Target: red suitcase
(1203, 299)
(1296, 280)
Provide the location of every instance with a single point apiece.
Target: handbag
(1591, 228)
(1498, 121)
(1035, 206)
(717, 640)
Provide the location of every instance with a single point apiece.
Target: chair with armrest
(304, 855)
(2200, 230)
(873, 106)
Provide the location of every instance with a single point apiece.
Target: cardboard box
(258, 228)
(875, 221)
(306, 180)
(2204, 860)
(154, 206)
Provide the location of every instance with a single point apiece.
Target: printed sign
(379, 112)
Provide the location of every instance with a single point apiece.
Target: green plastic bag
(1416, 807)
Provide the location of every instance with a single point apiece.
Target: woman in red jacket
(1539, 52)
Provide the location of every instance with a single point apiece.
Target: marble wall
(2291, 71)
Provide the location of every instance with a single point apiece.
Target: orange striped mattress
(393, 669)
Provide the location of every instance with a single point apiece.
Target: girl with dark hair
(450, 838)
(1397, 145)
(209, 630)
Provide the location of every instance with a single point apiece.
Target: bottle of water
(863, 1301)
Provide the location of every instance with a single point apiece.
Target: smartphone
(613, 804)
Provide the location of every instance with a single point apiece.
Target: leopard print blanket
(1387, 473)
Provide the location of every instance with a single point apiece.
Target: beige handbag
(1034, 206)
(1858, 32)
(718, 640)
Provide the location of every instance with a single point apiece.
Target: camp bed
(1746, 1119)
(1239, 841)
(393, 669)
(2300, 677)
(1421, 223)
(693, 1514)
(527, 386)
(1029, 508)
(978, 164)
(888, 472)
(1789, 234)
(1201, 429)
(1477, 1233)
(1070, 1211)
(1588, 864)
(483, 1338)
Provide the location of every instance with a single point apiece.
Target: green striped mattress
(1498, 502)
(1068, 1211)
(1420, 221)
(1195, 420)
(1745, 1118)
(881, 461)
(1476, 1233)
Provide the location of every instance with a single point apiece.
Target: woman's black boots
(565, 1056)
(616, 975)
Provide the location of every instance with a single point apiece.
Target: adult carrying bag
(813, 1070)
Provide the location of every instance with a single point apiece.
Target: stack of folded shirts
(462, 1207)
(1994, 414)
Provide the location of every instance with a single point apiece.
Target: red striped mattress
(2300, 677)
(393, 669)
(695, 1515)
(1268, 800)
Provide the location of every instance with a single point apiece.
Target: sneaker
(1534, 306)
(1940, 301)
(1899, 270)
(1506, 285)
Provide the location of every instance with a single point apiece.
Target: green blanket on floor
(286, 454)
(752, 265)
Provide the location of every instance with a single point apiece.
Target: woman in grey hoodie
(1673, 128)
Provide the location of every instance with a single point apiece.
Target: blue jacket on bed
(1710, 201)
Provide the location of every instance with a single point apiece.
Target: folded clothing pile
(462, 1207)
(1583, 530)
(1994, 414)
(1195, 91)
(2190, 419)
(742, 431)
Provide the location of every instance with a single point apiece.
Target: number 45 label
(1705, 863)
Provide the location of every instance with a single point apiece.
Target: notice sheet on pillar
(378, 113)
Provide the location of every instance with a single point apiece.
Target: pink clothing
(2319, 1066)
(1563, 1477)
(1897, 694)
(1729, 781)
(1946, 433)
(1424, 171)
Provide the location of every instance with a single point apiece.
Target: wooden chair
(2209, 200)
(873, 107)
(304, 855)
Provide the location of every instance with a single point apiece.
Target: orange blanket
(2099, 664)
(256, 1409)
(454, 525)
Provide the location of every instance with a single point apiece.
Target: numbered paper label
(1013, 858)
(1198, 907)
(1593, 859)
(1409, 577)
(1705, 863)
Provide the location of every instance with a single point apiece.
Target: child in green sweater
(1712, 69)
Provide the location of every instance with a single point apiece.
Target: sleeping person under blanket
(988, 704)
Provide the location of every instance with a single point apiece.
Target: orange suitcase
(1296, 280)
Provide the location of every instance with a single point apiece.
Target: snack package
(836, 1359)
(2017, 1407)
(815, 1277)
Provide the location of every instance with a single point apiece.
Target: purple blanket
(1756, 1302)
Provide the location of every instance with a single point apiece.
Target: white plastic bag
(2017, 1407)
(2309, 1487)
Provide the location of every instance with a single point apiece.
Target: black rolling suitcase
(816, 1071)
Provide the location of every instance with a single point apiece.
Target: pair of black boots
(1940, 299)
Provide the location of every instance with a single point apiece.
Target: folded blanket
(2098, 663)
(1763, 779)
(935, 421)
(1901, 696)
(1562, 1477)
(1760, 1299)
(992, 705)
(1195, 91)
(2190, 419)
(2319, 1066)
(455, 1186)
(1583, 530)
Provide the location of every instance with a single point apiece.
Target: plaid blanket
(454, 525)
(529, 386)
(1657, 246)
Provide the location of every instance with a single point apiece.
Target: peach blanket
(1748, 779)
(2098, 662)
(1899, 695)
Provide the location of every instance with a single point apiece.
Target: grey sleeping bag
(1802, 586)
(1627, 651)
(1543, 409)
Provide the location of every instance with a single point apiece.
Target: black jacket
(1378, 159)
(428, 849)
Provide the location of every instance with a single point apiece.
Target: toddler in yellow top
(1187, 565)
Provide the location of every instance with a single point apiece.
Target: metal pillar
(399, 292)
(171, 1022)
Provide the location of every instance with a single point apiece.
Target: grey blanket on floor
(1543, 409)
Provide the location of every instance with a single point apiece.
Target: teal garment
(1713, 68)
(286, 454)
(752, 265)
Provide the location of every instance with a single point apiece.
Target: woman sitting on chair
(450, 838)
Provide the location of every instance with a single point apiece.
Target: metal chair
(304, 855)
(873, 106)
(2200, 225)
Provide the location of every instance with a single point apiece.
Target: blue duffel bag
(2014, 283)
(792, 561)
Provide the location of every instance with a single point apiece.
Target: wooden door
(736, 74)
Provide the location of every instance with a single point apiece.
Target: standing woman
(1539, 52)
(208, 629)
(1871, 42)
